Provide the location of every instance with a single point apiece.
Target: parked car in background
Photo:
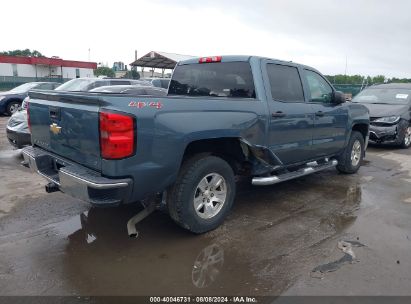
(87, 84)
(389, 106)
(158, 82)
(18, 132)
(11, 100)
(132, 90)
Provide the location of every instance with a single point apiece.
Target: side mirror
(339, 97)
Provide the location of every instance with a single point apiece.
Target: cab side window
(285, 83)
(320, 90)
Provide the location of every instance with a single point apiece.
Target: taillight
(24, 103)
(28, 115)
(117, 138)
(210, 59)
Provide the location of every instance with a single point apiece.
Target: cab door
(291, 118)
(330, 119)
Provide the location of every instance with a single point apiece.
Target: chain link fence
(350, 90)
(9, 82)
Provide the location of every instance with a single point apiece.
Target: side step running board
(274, 179)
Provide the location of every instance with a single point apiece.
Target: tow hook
(51, 187)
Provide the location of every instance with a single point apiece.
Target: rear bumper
(18, 139)
(76, 180)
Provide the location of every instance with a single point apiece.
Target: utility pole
(345, 72)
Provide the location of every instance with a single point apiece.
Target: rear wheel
(12, 107)
(406, 142)
(203, 194)
(350, 160)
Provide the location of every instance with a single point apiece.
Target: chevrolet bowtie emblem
(55, 128)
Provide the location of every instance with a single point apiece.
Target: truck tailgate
(67, 124)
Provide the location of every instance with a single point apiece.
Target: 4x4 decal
(143, 104)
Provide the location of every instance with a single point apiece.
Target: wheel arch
(363, 128)
(243, 157)
(9, 101)
(228, 148)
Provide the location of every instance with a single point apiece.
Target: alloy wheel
(210, 195)
(356, 153)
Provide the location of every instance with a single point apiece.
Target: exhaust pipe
(131, 224)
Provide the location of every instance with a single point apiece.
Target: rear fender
(263, 160)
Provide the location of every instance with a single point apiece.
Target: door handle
(278, 114)
(319, 113)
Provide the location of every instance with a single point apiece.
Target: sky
(366, 37)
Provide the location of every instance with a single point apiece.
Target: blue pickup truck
(223, 116)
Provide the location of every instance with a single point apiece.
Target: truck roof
(231, 58)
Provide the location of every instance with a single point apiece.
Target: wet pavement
(323, 234)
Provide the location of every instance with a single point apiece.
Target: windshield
(24, 87)
(76, 85)
(383, 96)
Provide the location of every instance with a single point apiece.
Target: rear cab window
(216, 79)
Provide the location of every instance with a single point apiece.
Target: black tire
(181, 196)
(12, 106)
(406, 141)
(345, 162)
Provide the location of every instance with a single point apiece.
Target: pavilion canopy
(160, 60)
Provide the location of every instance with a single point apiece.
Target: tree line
(366, 80)
(109, 72)
(25, 53)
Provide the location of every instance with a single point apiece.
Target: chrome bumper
(76, 180)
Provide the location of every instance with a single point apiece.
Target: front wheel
(406, 142)
(203, 194)
(350, 160)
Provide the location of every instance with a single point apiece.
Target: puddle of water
(68, 227)
(259, 250)
(348, 257)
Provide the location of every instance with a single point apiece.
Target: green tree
(26, 53)
(399, 80)
(104, 71)
(378, 79)
(133, 74)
